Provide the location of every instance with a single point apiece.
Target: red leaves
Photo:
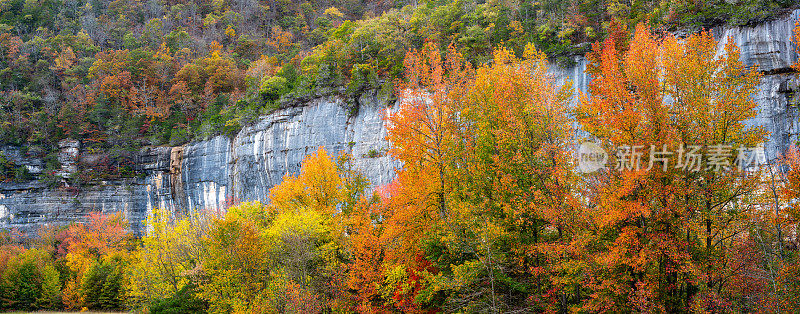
(100, 236)
(664, 235)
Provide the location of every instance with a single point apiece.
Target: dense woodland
(119, 75)
(488, 212)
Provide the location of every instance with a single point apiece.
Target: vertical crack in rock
(175, 163)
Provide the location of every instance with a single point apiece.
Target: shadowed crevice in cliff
(784, 70)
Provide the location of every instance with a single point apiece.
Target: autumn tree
(423, 132)
(211, 75)
(30, 281)
(367, 250)
(170, 251)
(84, 247)
(290, 255)
(662, 227)
(236, 267)
(311, 224)
(516, 211)
(486, 164)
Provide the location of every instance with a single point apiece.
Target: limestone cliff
(206, 175)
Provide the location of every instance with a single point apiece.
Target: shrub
(184, 301)
(178, 137)
(273, 87)
(22, 174)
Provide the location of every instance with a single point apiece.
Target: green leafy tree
(30, 281)
(103, 283)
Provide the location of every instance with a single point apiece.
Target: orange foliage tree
(84, 245)
(137, 80)
(423, 132)
(662, 234)
(484, 193)
(207, 77)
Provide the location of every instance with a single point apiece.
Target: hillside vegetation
(490, 212)
(121, 74)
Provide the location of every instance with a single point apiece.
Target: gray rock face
(767, 46)
(205, 174)
(276, 146)
(157, 188)
(208, 175)
(575, 74)
(777, 112)
(29, 206)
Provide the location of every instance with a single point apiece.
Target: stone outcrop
(769, 48)
(208, 175)
(265, 152)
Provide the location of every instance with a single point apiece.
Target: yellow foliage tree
(168, 257)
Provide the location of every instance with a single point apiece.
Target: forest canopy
(118, 75)
(489, 212)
